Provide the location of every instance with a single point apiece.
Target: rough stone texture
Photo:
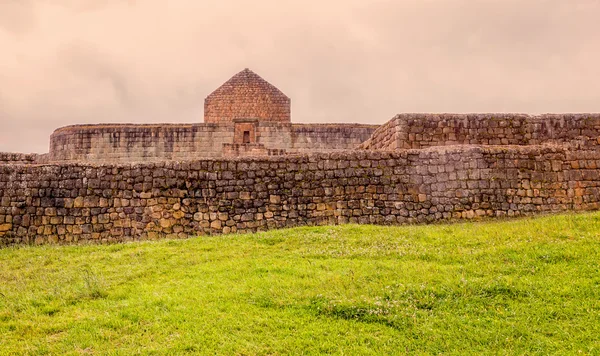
(138, 143)
(427, 130)
(307, 138)
(142, 143)
(21, 158)
(85, 203)
(249, 150)
(247, 95)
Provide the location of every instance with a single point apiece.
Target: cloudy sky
(65, 62)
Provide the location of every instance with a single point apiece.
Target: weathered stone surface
(187, 142)
(75, 203)
(21, 158)
(407, 131)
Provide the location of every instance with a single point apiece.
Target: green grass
(529, 286)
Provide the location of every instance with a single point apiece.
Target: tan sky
(66, 62)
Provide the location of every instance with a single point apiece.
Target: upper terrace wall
(427, 130)
(136, 143)
(76, 202)
(329, 137)
(21, 158)
(306, 138)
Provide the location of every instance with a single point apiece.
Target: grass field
(529, 286)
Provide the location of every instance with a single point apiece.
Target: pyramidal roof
(249, 82)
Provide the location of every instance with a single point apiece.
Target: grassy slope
(525, 286)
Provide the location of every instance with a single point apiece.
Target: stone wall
(85, 203)
(386, 137)
(141, 143)
(21, 158)
(311, 138)
(329, 137)
(427, 130)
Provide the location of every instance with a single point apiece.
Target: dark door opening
(246, 137)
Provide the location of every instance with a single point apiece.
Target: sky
(65, 62)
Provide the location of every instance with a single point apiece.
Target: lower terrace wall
(407, 131)
(85, 203)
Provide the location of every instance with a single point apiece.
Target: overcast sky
(66, 62)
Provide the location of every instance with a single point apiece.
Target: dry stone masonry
(428, 130)
(86, 203)
(142, 143)
(247, 168)
(20, 158)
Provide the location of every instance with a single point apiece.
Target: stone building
(246, 116)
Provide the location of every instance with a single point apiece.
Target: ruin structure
(248, 168)
(246, 116)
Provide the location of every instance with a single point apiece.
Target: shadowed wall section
(85, 203)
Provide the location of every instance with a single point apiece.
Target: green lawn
(529, 286)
